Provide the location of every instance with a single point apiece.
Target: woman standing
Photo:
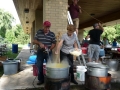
(67, 42)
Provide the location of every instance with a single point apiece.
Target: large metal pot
(97, 69)
(57, 73)
(113, 64)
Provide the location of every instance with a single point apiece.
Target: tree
(110, 32)
(6, 20)
(17, 35)
(117, 27)
(10, 36)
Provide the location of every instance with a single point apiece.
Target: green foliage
(23, 38)
(17, 35)
(6, 20)
(117, 27)
(10, 35)
(110, 32)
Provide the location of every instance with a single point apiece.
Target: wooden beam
(106, 18)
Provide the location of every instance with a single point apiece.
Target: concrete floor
(24, 79)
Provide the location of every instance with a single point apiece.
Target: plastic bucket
(80, 67)
(35, 70)
(102, 52)
(10, 67)
(80, 76)
(15, 48)
(16, 60)
(84, 50)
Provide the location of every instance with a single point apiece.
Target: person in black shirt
(94, 48)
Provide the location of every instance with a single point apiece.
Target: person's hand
(79, 7)
(99, 24)
(76, 49)
(56, 52)
(41, 45)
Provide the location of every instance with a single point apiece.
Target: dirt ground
(114, 86)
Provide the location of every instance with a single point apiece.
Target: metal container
(97, 83)
(57, 73)
(113, 64)
(97, 69)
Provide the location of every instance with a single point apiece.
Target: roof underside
(103, 10)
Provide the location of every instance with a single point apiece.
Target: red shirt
(74, 11)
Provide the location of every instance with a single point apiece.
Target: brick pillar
(80, 35)
(56, 12)
(31, 38)
(38, 20)
(34, 32)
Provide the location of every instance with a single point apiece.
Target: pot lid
(96, 65)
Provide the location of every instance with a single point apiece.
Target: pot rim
(57, 68)
(96, 65)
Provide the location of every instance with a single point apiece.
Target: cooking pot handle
(88, 69)
(46, 69)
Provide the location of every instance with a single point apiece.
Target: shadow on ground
(114, 86)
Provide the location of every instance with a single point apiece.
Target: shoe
(39, 83)
(73, 81)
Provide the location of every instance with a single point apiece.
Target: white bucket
(80, 67)
(81, 73)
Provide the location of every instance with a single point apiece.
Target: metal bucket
(113, 64)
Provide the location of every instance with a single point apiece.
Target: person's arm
(101, 27)
(38, 43)
(52, 46)
(75, 45)
(80, 9)
(88, 36)
(59, 46)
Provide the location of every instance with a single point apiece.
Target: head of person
(70, 29)
(75, 1)
(46, 26)
(104, 38)
(96, 26)
(115, 40)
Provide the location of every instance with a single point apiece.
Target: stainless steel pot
(113, 64)
(57, 73)
(97, 69)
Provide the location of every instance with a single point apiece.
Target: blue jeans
(41, 55)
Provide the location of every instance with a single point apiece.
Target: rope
(92, 16)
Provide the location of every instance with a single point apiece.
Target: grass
(11, 55)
